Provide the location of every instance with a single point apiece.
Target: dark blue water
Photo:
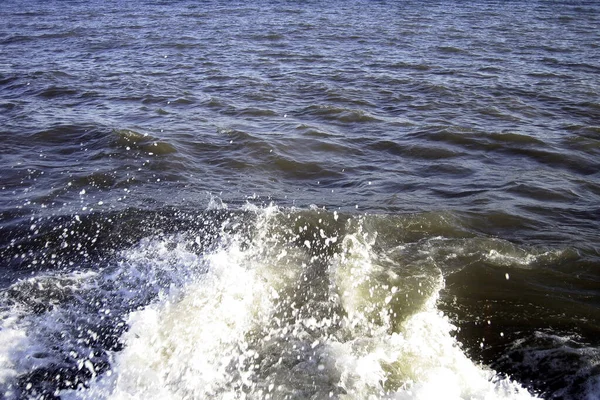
(339, 175)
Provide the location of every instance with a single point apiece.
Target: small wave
(582, 143)
(257, 112)
(541, 193)
(517, 138)
(184, 101)
(98, 180)
(493, 111)
(450, 50)
(344, 115)
(452, 170)
(151, 99)
(414, 150)
(411, 66)
(53, 92)
(466, 138)
(8, 106)
(579, 163)
(270, 36)
(17, 38)
(304, 169)
(454, 194)
(317, 131)
(144, 142)
(68, 137)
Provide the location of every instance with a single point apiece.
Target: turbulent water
(300, 200)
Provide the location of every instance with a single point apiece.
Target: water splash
(289, 313)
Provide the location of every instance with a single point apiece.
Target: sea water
(307, 200)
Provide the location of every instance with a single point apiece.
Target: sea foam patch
(271, 317)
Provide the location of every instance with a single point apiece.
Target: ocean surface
(300, 199)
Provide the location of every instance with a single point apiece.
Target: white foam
(238, 331)
(22, 348)
(182, 347)
(419, 359)
(13, 340)
(56, 319)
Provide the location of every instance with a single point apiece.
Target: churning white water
(270, 318)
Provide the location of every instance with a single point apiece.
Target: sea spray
(272, 317)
